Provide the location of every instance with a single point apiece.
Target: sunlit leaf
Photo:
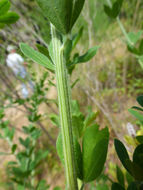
(36, 56)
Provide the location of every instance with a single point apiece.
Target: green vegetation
(76, 54)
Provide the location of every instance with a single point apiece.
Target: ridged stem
(64, 109)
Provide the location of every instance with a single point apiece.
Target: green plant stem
(121, 26)
(124, 31)
(64, 109)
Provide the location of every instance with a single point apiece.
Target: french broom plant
(87, 164)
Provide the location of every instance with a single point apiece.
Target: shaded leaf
(132, 186)
(135, 170)
(117, 186)
(140, 100)
(138, 155)
(140, 139)
(9, 18)
(137, 108)
(120, 176)
(121, 152)
(115, 10)
(43, 50)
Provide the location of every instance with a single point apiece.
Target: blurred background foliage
(109, 83)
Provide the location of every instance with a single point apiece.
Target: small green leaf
(141, 47)
(134, 37)
(102, 187)
(137, 108)
(42, 185)
(20, 187)
(136, 114)
(4, 7)
(57, 188)
(9, 18)
(120, 176)
(117, 186)
(90, 119)
(121, 152)
(67, 49)
(87, 56)
(43, 50)
(14, 147)
(115, 10)
(140, 100)
(129, 178)
(140, 139)
(55, 119)
(94, 145)
(36, 56)
(77, 37)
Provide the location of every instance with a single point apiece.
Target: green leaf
(42, 185)
(141, 47)
(138, 155)
(134, 37)
(57, 188)
(90, 119)
(94, 145)
(129, 178)
(25, 142)
(55, 119)
(9, 133)
(20, 187)
(62, 13)
(44, 51)
(2, 26)
(36, 56)
(137, 108)
(87, 56)
(140, 100)
(77, 37)
(121, 152)
(133, 50)
(9, 18)
(102, 187)
(115, 10)
(117, 186)
(140, 139)
(77, 152)
(14, 147)
(4, 7)
(120, 176)
(67, 49)
(132, 186)
(77, 123)
(135, 170)
(136, 114)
